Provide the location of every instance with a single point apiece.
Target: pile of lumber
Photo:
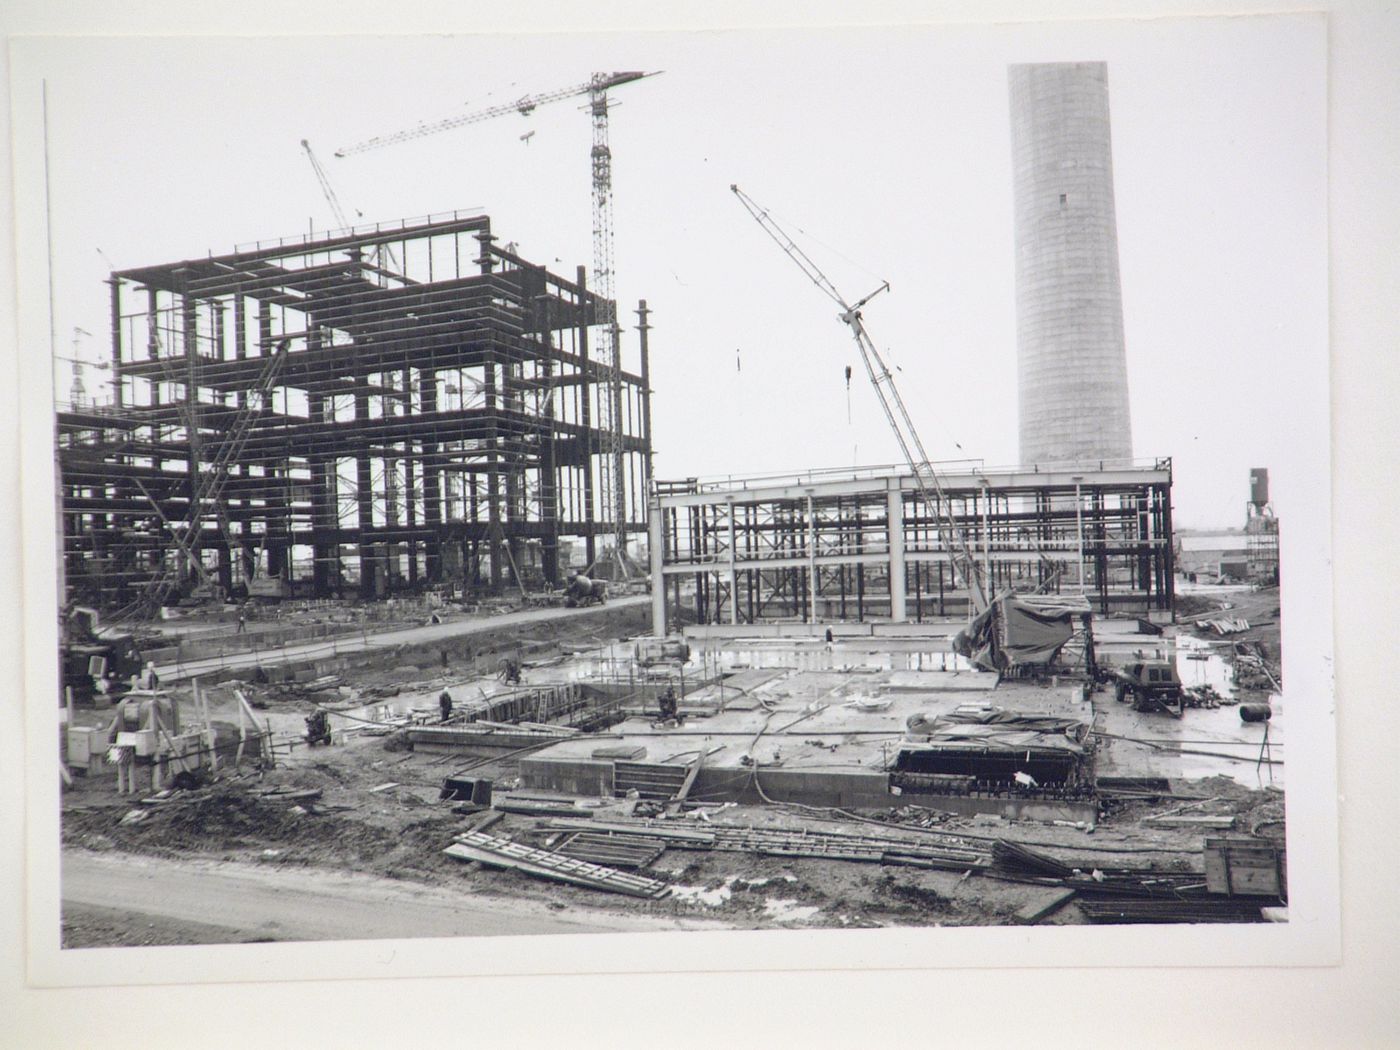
(1175, 910)
(502, 853)
(831, 845)
(617, 851)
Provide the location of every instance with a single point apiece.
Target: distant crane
(931, 491)
(77, 393)
(611, 487)
(332, 198)
(384, 255)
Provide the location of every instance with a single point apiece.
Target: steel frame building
(826, 547)
(367, 410)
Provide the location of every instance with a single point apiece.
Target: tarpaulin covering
(1018, 629)
(995, 745)
(1008, 730)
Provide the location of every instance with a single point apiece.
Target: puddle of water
(700, 895)
(754, 883)
(788, 910)
(1199, 663)
(815, 656)
(1220, 730)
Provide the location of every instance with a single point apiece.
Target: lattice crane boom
(882, 379)
(327, 190)
(382, 252)
(525, 105)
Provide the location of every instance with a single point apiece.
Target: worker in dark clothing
(667, 702)
(445, 703)
(242, 622)
(510, 670)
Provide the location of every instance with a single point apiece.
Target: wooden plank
(489, 820)
(690, 776)
(1033, 912)
(1191, 822)
(503, 853)
(611, 849)
(622, 751)
(799, 844)
(538, 808)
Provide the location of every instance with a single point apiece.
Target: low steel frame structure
(827, 546)
(432, 418)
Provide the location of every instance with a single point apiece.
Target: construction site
(382, 619)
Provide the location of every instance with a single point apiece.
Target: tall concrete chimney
(1072, 387)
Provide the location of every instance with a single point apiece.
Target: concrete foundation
(827, 735)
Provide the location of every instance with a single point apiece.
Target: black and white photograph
(541, 501)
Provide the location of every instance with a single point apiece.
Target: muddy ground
(399, 831)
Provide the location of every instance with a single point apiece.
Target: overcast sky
(886, 152)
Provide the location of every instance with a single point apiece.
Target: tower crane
(950, 534)
(611, 486)
(77, 393)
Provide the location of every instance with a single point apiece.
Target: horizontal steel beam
(956, 485)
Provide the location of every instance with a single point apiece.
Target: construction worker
(242, 622)
(152, 680)
(445, 703)
(667, 702)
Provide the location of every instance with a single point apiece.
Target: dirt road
(271, 902)
(171, 673)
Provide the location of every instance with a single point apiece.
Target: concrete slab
(813, 742)
(940, 681)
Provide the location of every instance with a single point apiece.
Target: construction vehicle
(318, 728)
(97, 665)
(1151, 685)
(583, 591)
(648, 652)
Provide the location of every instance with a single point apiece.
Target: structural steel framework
(371, 410)
(828, 547)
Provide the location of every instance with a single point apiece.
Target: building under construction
(824, 547)
(359, 412)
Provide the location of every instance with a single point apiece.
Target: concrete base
(815, 737)
(858, 790)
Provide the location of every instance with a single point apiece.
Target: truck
(1151, 685)
(583, 591)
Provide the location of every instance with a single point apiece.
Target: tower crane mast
(931, 490)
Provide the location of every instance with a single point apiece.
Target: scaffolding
(828, 547)
(1261, 544)
(364, 412)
